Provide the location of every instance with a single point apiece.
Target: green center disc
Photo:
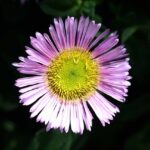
(73, 75)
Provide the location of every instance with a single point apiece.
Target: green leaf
(55, 140)
(51, 11)
(128, 32)
(60, 8)
(87, 8)
(70, 8)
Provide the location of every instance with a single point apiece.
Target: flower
(69, 71)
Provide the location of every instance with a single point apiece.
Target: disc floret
(73, 74)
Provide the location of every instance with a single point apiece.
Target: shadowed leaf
(55, 140)
(128, 32)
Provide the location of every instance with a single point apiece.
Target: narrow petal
(46, 114)
(111, 92)
(55, 38)
(87, 116)
(70, 27)
(22, 82)
(36, 56)
(30, 97)
(29, 88)
(50, 43)
(59, 117)
(90, 34)
(103, 109)
(66, 119)
(74, 119)
(101, 36)
(114, 54)
(106, 45)
(80, 29)
(85, 27)
(80, 117)
(46, 47)
(39, 105)
(59, 34)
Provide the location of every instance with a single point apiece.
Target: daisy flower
(69, 71)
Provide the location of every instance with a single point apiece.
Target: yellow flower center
(73, 75)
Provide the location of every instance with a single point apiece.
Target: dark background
(130, 130)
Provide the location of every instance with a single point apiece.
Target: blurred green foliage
(128, 32)
(57, 140)
(130, 130)
(70, 8)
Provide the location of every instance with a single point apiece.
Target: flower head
(69, 71)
